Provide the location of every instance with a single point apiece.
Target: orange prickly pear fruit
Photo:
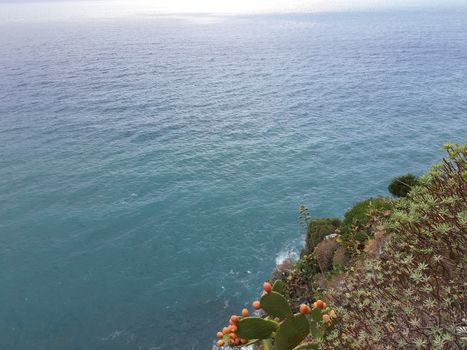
(326, 318)
(220, 343)
(225, 330)
(320, 304)
(245, 313)
(235, 318)
(233, 329)
(220, 335)
(256, 305)
(243, 341)
(304, 309)
(332, 313)
(267, 287)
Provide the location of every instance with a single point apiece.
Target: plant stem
(266, 344)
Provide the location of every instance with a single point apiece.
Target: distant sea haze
(152, 168)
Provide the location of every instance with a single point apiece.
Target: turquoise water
(151, 169)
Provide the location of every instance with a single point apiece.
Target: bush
(340, 258)
(300, 284)
(400, 186)
(317, 230)
(412, 294)
(358, 217)
(324, 253)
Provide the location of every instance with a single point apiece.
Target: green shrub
(358, 214)
(400, 186)
(358, 217)
(318, 229)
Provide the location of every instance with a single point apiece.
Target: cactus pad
(255, 328)
(292, 332)
(275, 305)
(316, 326)
(278, 287)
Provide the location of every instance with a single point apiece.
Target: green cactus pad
(316, 330)
(278, 287)
(275, 305)
(316, 326)
(292, 332)
(316, 315)
(255, 328)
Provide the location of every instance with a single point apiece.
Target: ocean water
(151, 168)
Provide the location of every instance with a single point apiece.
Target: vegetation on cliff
(392, 272)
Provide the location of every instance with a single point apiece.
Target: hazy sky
(26, 10)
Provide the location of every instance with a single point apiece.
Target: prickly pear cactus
(278, 287)
(256, 328)
(276, 305)
(292, 332)
(316, 326)
(302, 331)
(226, 340)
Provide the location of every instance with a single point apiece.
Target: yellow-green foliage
(412, 295)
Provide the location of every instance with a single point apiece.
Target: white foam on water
(286, 254)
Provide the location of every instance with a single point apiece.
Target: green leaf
(275, 305)
(292, 332)
(278, 287)
(255, 328)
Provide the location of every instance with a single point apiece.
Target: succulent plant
(275, 305)
(278, 328)
(256, 328)
(291, 332)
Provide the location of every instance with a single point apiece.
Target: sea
(152, 166)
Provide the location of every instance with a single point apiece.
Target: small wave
(112, 336)
(288, 254)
